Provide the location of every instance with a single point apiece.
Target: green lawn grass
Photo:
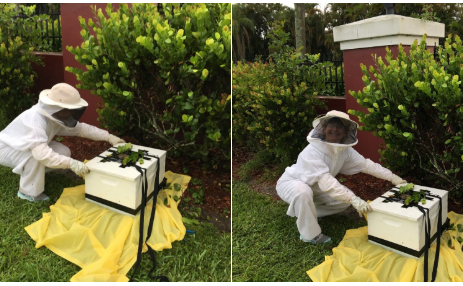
(266, 245)
(204, 256)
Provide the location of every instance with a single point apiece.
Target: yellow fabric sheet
(355, 259)
(102, 242)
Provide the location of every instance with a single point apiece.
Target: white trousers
(32, 181)
(306, 205)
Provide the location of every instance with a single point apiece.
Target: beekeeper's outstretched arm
(45, 155)
(91, 132)
(379, 171)
(356, 163)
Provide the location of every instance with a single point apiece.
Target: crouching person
(310, 187)
(26, 143)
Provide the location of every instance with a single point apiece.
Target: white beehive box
(402, 230)
(120, 189)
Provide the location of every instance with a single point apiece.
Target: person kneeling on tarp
(26, 143)
(309, 186)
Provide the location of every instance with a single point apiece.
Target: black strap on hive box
(439, 234)
(150, 225)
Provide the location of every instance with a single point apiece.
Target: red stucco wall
(71, 37)
(332, 103)
(49, 74)
(368, 144)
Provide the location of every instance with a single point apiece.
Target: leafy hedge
(416, 105)
(273, 105)
(16, 58)
(163, 75)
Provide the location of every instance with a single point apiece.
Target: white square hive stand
(120, 188)
(402, 230)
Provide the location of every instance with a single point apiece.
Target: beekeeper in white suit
(309, 186)
(26, 143)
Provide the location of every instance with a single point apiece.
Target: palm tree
(314, 27)
(299, 12)
(242, 28)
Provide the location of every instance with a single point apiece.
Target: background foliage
(163, 75)
(274, 102)
(415, 105)
(320, 23)
(16, 58)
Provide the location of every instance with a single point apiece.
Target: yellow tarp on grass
(102, 242)
(357, 260)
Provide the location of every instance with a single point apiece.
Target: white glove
(361, 206)
(78, 167)
(396, 180)
(113, 140)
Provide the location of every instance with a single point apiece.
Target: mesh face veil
(64, 116)
(349, 127)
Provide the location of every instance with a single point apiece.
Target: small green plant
(196, 181)
(406, 192)
(194, 212)
(124, 152)
(134, 157)
(406, 188)
(59, 139)
(185, 170)
(342, 180)
(190, 221)
(198, 195)
(416, 197)
(124, 148)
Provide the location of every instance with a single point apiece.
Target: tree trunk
(299, 11)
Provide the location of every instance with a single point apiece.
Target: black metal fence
(50, 26)
(51, 36)
(333, 75)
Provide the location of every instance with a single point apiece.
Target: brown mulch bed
(217, 200)
(363, 185)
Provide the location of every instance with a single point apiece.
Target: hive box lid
(128, 173)
(411, 213)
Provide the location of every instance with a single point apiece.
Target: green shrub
(415, 105)
(273, 105)
(163, 73)
(16, 58)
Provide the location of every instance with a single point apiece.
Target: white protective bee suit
(26, 143)
(310, 187)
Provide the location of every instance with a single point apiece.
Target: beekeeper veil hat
(62, 104)
(351, 126)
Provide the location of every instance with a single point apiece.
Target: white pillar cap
(387, 30)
